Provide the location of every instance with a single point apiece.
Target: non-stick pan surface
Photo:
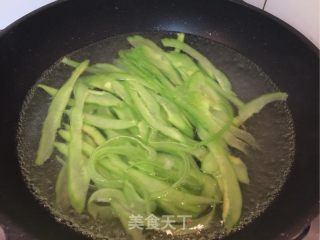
(30, 46)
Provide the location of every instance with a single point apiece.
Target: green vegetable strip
(103, 99)
(138, 204)
(210, 166)
(230, 96)
(236, 143)
(161, 61)
(184, 65)
(124, 217)
(105, 123)
(61, 189)
(166, 130)
(192, 203)
(193, 228)
(50, 90)
(55, 112)
(104, 68)
(133, 61)
(119, 167)
(62, 148)
(232, 198)
(86, 147)
(174, 147)
(96, 97)
(138, 40)
(96, 69)
(110, 133)
(244, 136)
(123, 113)
(240, 169)
(105, 196)
(108, 84)
(78, 178)
(119, 205)
(210, 69)
(89, 140)
(175, 116)
(60, 160)
(156, 56)
(257, 104)
(144, 130)
(180, 37)
(94, 133)
(147, 98)
(155, 187)
(104, 179)
(70, 62)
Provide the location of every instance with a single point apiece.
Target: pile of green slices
(150, 133)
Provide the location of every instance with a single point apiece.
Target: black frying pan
(34, 43)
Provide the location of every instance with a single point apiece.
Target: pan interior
(272, 128)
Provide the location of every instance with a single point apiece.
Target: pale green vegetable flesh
(152, 132)
(78, 177)
(54, 117)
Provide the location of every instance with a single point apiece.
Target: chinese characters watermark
(152, 222)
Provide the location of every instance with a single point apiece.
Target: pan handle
(302, 234)
(310, 232)
(2, 234)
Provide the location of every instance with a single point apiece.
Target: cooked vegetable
(153, 133)
(78, 178)
(54, 117)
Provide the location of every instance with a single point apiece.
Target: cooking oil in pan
(272, 128)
